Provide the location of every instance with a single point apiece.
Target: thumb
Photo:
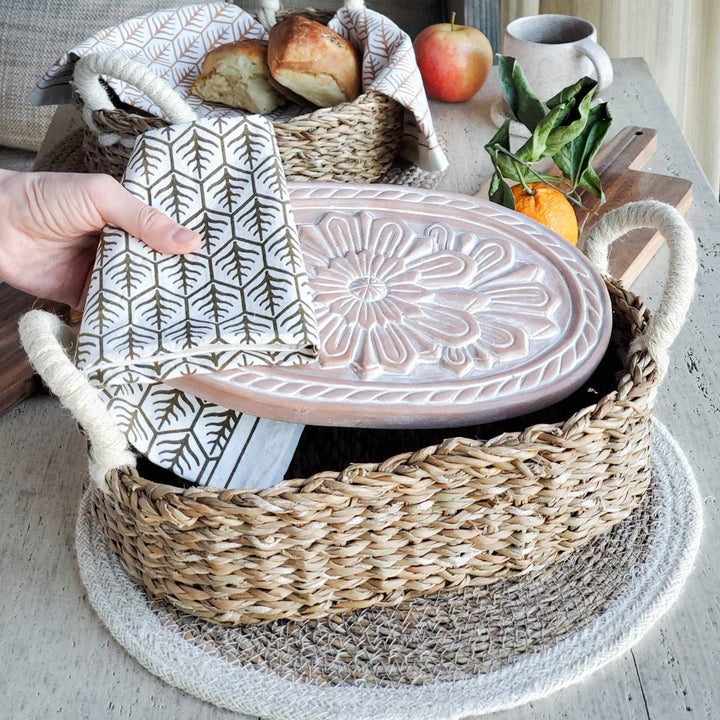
(122, 208)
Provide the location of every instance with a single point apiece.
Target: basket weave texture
(355, 141)
(461, 512)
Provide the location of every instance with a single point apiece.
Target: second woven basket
(354, 141)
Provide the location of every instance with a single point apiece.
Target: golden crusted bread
(236, 74)
(313, 61)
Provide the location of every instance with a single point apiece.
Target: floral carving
(538, 315)
(389, 297)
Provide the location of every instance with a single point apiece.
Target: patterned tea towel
(174, 42)
(242, 298)
(202, 442)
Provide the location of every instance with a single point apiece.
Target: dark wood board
(618, 164)
(17, 380)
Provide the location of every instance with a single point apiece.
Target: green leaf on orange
(575, 158)
(503, 159)
(536, 146)
(499, 191)
(523, 102)
(577, 99)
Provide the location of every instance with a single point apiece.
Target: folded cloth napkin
(174, 42)
(199, 441)
(242, 299)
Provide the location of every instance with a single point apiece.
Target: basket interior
(334, 448)
(329, 448)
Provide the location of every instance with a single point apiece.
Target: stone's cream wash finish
(554, 51)
(433, 310)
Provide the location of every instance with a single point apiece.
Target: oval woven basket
(354, 141)
(463, 511)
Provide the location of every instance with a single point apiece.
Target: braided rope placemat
(471, 651)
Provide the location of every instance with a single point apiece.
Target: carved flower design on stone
(389, 296)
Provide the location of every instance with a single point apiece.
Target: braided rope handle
(48, 343)
(666, 322)
(86, 78)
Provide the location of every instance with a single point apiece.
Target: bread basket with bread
(340, 128)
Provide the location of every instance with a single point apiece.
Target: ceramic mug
(555, 51)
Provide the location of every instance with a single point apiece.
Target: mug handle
(601, 60)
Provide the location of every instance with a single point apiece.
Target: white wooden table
(58, 661)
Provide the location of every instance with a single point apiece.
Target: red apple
(454, 60)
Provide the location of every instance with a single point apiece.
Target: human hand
(50, 224)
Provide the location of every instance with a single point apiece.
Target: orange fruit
(549, 207)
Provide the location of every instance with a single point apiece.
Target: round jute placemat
(449, 655)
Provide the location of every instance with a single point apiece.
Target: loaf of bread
(237, 75)
(313, 61)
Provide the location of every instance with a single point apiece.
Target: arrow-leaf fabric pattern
(242, 299)
(201, 442)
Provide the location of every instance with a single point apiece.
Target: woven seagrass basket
(460, 511)
(354, 141)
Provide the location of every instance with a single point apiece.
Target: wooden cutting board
(618, 163)
(17, 380)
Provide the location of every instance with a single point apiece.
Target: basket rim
(371, 472)
(371, 98)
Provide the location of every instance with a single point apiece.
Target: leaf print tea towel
(199, 441)
(241, 299)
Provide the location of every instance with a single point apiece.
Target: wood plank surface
(17, 379)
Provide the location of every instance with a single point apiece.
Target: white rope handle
(267, 13)
(667, 321)
(45, 337)
(268, 10)
(86, 78)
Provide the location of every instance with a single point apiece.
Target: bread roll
(313, 61)
(237, 75)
